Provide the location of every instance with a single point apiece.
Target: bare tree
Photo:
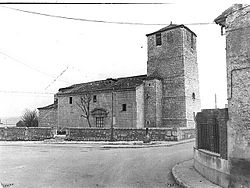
(29, 119)
(84, 106)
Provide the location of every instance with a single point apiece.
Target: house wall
(48, 117)
(69, 115)
(238, 81)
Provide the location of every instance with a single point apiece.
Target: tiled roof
(221, 19)
(102, 85)
(51, 106)
(169, 27)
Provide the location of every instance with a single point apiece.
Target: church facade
(167, 96)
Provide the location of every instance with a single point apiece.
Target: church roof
(104, 85)
(51, 106)
(169, 27)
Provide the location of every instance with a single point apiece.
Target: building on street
(167, 96)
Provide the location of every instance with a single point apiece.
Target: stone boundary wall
(25, 133)
(212, 167)
(128, 134)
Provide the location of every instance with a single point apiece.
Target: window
(70, 100)
(124, 107)
(94, 98)
(193, 96)
(99, 121)
(158, 39)
(170, 37)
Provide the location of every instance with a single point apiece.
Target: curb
(147, 146)
(96, 144)
(186, 176)
(177, 179)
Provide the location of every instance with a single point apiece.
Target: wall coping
(25, 127)
(209, 152)
(120, 128)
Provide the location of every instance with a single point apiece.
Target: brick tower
(172, 57)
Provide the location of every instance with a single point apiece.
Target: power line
(27, 92)
(57, 77)
(20, 62)
(97, 21)
(88, 3)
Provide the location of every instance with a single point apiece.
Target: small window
(94, 98)
(99, 121)
(193, 96)
(70, 100)
(158, 39)
(124, 107)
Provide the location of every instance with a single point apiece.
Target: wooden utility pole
(215, 101)
(112, 114)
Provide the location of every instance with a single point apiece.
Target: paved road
(76, 165)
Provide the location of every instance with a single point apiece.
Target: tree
(84, 106)
(29, 119)
(20, 124)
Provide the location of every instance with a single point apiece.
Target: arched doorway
(99, 115)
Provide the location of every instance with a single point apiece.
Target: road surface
(78, 165)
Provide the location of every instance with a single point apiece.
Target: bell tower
(172, 56)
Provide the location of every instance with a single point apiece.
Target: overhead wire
(97, 21)
(26, 92)
(57, 77)
(87, 3)
(20, 62)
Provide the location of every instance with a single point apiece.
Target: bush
(29, 119)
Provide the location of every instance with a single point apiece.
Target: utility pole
(112, 114)
(215, 101)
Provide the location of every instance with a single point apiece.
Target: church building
(167, 96)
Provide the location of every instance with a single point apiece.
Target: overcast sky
(36, 49)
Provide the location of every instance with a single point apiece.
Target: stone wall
(47, 117)
(25, 133)
(212, 166)
(70, 114)
(128, 134)
(140, 106)
(152, 103)
(236, 21)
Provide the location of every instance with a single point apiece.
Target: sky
(40, 54)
